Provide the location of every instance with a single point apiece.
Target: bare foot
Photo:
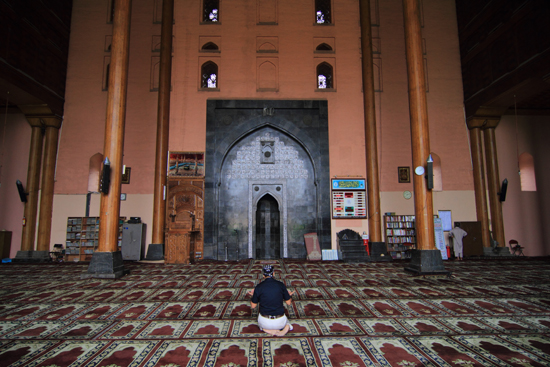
(284, 331)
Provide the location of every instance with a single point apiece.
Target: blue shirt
(270, 294)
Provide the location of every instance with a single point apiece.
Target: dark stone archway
(257, 148)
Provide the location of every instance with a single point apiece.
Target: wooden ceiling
(505, 56)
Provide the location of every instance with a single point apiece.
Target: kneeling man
(270, 294)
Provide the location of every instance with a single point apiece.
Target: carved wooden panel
(185, 213)
(177, 248)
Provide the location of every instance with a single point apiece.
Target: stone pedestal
(426, 262)
(379, 252)
(32, 256)
(499, 251)
(155, 251)
(106, 265)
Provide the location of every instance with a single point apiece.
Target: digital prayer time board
(348, 198)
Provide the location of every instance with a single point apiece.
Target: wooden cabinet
(83, 236)
(472, 244)
(5, 244)
(184, 220)
(400, 235)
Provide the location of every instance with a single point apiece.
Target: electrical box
(133, 241)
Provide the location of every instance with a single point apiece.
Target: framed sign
(446, 220)
(186, 164)
(404, 174)
(348, 198)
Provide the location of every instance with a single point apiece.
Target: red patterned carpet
(490, 313)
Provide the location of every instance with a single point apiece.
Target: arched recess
(267, 47)
(438, 182)
(94, 172)
(527, 172)
(267, 76)
(210, 46)
(267, 227)
(323, 47)
(266, 161)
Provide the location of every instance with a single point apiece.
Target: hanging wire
(4, 137)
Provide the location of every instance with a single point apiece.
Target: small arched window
(323, 13)
(527, 172)
(324, 76)
(438, 183)
(211, 11)
(209, 72)
(210, 46)
(323, 47)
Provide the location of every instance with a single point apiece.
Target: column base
(106, 265)
(427, 262)
(32, 256)
(498, 251)
(155, 251)
(379, 252)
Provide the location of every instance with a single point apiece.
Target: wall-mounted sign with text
(348, 198)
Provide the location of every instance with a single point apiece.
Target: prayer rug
(341, 352)
(344, 315)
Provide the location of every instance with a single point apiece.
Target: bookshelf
(400, 235)
(83, 237)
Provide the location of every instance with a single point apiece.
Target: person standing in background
(457, 234)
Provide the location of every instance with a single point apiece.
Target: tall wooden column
(476, 147)
(493, 181)
(52, 125)
(32, 187)
(107, 260)
(371, 146)
(155, 250)
(426, 259)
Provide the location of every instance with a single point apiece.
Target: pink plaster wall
(526, 213)
(237, 34)
(16, 139)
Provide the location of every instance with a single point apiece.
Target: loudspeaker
(21, 190)
(503, 188)
(105, 177)
(430, 172)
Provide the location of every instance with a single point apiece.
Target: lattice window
(211, 11)
(323, 12)
(324, 76)
(209, 72)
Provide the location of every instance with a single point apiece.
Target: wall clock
(407, 195)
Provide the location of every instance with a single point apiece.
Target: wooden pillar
(32, 186)
(48, 175)
(163, 128)
(418, 109)
(371, 146)
(476, 147)
(493, 181)
(107, 260)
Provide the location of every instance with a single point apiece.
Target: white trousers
(272, 324)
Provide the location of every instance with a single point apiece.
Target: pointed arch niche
(267, 161)
(94, 172)
(267, 74)
(527, 172)
(438, 182)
